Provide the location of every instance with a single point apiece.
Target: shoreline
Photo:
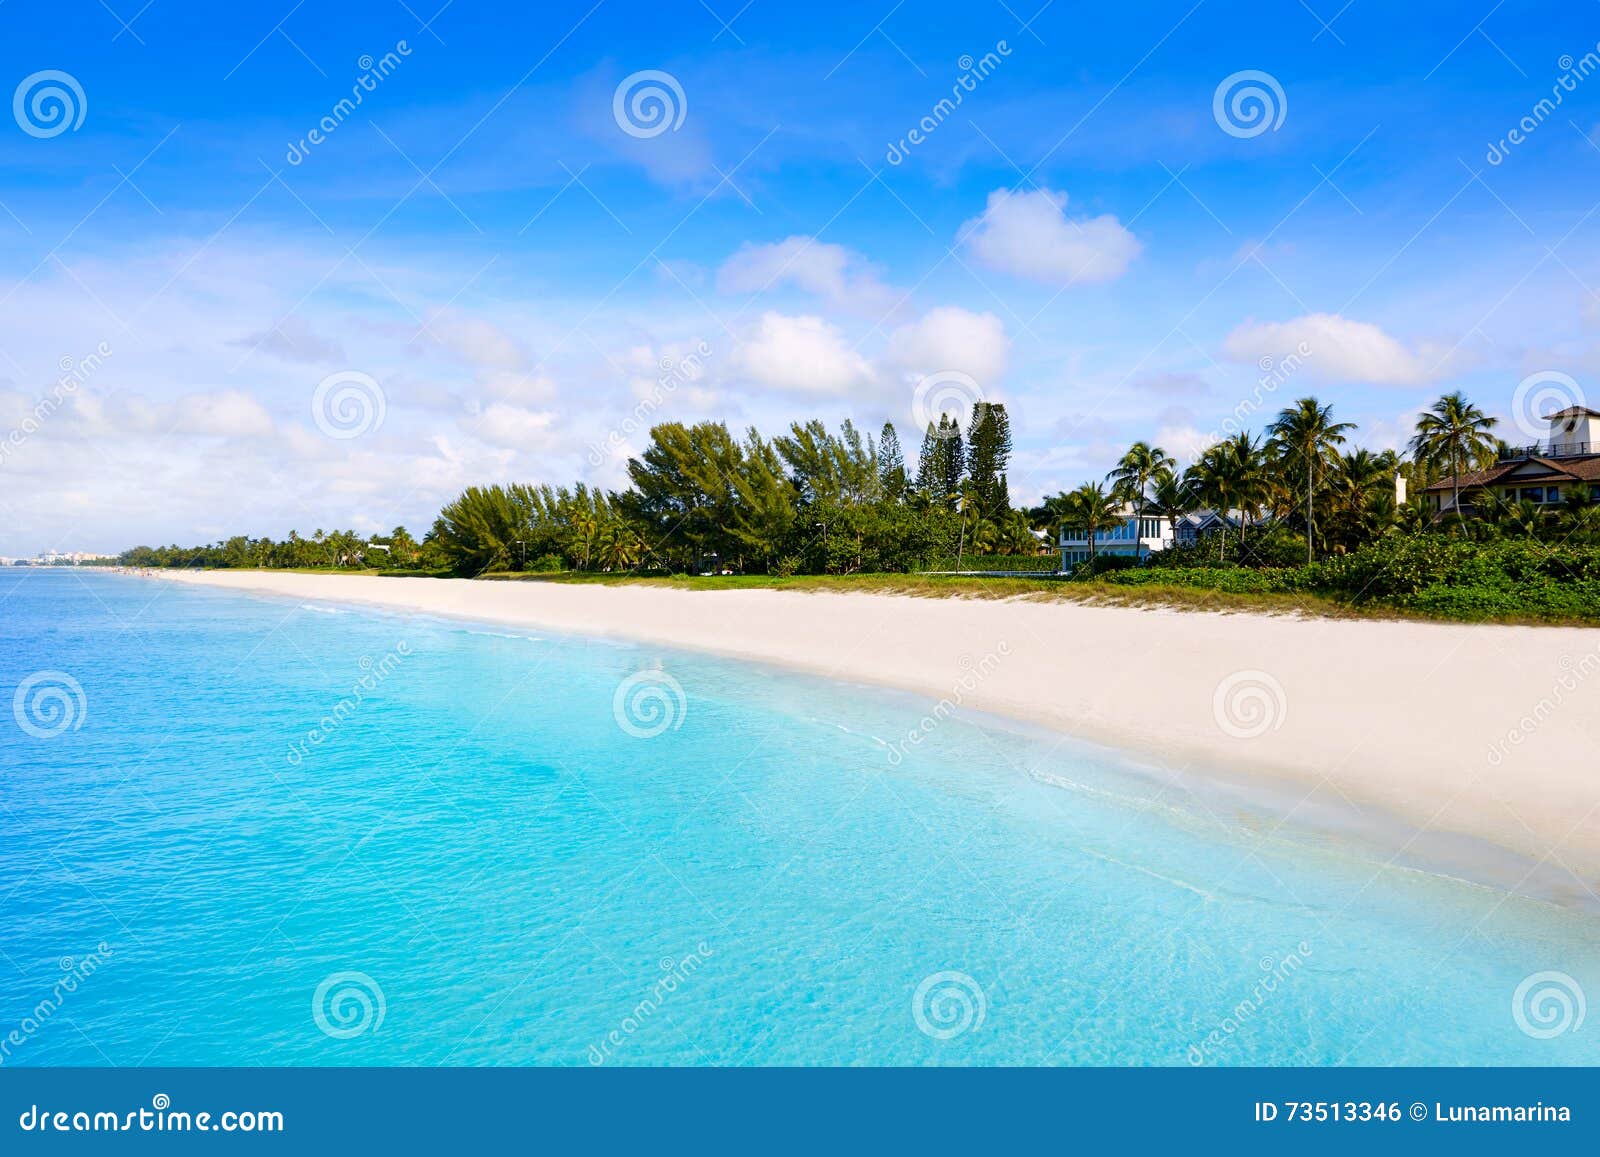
(1467, 749)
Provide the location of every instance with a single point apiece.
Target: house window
(1552, 494)
(1533, 493)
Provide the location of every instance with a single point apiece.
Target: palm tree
(1171, 498)
(1307, 429)
(1455, 431)
(1229, 476)
(967, 502)
(1136, 470)
(1092, 510)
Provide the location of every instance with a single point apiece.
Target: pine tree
(891, 464)
(989, 438)
(928, 475)
(952, 460)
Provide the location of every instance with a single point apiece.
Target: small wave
(320, 609)
(1173, 880)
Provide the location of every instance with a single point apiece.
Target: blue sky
(482, 248)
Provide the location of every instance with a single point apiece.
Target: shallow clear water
(476, 850)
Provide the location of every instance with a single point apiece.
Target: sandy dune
(1474, 731)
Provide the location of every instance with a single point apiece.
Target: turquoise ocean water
(240, 830)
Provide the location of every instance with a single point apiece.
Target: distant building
(1138, 536)
(1566, 463)
(1141, 535)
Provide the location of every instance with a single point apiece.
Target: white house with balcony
(1545, 473)
(1137, 536)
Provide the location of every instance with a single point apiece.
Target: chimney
(1399, 489)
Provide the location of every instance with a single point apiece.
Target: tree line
(701, 499)
(812, 500)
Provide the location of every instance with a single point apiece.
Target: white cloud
(803, 355)
(230, 414)
(517, 427)
(478, 342)
(293, 340)
(1030, 235)
(951, 338)
(1334, 348)
(838, 275)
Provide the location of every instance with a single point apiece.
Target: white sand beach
(1486, 732)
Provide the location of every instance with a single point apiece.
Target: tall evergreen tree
(928, 476)
(988, 450)
(891, 464)
(952, 460)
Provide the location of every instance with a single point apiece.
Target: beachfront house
(1136, 536)
(1567, 462)
(1141, 535)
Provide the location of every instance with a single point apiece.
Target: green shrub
(1032, 563)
